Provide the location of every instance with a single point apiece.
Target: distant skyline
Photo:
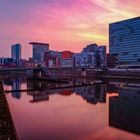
(64, 24)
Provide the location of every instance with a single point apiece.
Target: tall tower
(124, 41)
(16, 53)
(39, 50)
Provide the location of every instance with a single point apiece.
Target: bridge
(19, 69)
(31, 72)
(55, 88)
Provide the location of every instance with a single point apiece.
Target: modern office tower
(124, 41)
(16, 53)
(39, 49)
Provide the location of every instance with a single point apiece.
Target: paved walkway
(7, 129)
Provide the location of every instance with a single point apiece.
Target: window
(124, 53)
(115, 54)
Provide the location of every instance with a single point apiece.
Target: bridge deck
(53, 88)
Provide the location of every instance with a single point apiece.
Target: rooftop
(38, 43)
(130, 19)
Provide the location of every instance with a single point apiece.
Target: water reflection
(14, 84)
(92, 94)
(124, 112)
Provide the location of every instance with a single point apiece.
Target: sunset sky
(64, 24)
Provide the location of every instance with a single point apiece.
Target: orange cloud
(65, 25)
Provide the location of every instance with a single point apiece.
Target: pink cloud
(61, 24)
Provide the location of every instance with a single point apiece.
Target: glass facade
(16, 53)
(124, 41)
(39, 50)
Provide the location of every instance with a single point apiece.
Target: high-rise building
(39, 50)
(16, 53)
(124, 41)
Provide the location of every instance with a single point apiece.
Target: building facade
(92, 56)
(84, 60)
(39, 50)
(67, 60)
(16, 53)
(90, 48)
(124, 41)
(52, 59)
(101, 60)
(111, 61)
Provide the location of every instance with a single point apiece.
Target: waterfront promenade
(7, 128)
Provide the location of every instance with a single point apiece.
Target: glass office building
(39, 50)
(16, 53)
(124, 41)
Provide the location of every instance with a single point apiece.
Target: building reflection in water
(39, 96)
(15, 85)
(92, 94)
(124, 110)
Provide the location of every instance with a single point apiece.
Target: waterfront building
(101, 56)
(91, 56)
(67, 59)
(39, 49)
(66, 54)
(124, 41)
(8, 60)
(16, 53)
(67, 62)
(90, 48)
(52, 59)
(111, 61)
(7, 63)
(1, 60)
(28, 63)
(85, 60)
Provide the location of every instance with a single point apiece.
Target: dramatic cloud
(64, 24)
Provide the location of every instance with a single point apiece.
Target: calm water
(101, 112)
